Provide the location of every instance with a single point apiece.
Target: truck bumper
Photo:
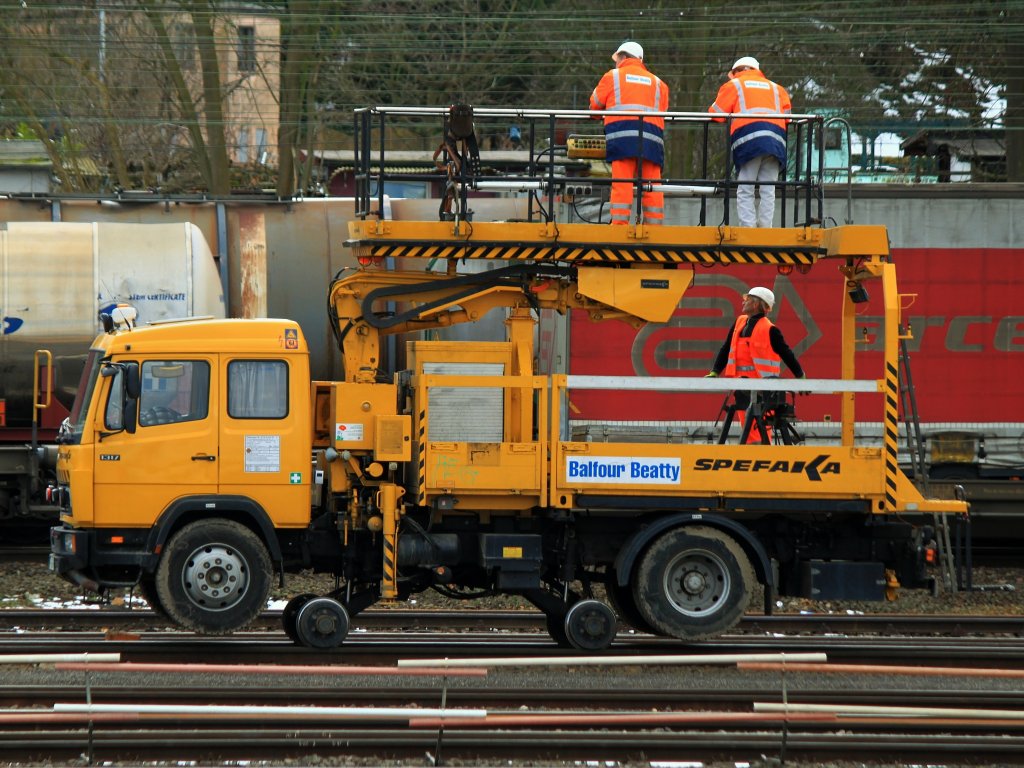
(69, 555)
(91, 559)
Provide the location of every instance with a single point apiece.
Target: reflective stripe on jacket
(752, 92)
(752, 356)
(632, 87)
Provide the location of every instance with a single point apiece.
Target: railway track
(589, 714)
(963, 642)
(654, 713)
(561, 746)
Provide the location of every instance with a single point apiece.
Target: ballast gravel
(997, 591)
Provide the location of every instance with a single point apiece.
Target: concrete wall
(917, 216)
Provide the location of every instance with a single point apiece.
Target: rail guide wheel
(291, 613)
(321, 622)
(590, 625)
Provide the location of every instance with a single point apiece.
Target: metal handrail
(376, 130)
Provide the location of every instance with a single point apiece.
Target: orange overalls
(752, 357)
(630, 139)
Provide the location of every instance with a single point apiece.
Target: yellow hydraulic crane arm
(367, 304)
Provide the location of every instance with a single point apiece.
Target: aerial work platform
(591, 244)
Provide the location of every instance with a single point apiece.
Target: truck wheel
(693, 583)
(214, 576)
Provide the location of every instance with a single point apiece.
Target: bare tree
(205, 127)
(138, 88)
(304, 25)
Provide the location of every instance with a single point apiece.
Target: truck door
(173, 452)
(265, 442)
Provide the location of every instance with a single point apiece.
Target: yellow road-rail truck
(201, 460)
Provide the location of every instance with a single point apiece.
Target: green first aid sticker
(295, 478)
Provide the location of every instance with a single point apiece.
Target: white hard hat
(633, 49)
(746, 61)
(764, 295)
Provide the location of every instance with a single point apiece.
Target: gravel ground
(998, 591)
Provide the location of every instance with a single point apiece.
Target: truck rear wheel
(693, 583)
(214, 576)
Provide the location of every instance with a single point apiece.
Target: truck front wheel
(214, 576)
(693, 583)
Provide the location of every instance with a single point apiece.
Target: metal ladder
(916, 449)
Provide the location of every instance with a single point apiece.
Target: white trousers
(764, 169)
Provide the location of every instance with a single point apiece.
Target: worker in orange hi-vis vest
(758, 143)
(754, 349)
(630, 139)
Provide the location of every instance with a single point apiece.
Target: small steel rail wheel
(555, 623)
(322, 622)
(291, 614)
(590, 625)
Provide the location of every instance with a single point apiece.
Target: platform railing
(535, 159)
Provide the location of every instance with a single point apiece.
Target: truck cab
(174, 421)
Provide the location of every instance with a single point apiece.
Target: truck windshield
(86, 387)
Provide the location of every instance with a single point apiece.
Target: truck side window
(174, 391)
(113, 416)
(257, 389)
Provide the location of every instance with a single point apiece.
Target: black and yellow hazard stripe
(390, 563)
(892, 435)
(591, 253)
(388, 499)
(421, 464)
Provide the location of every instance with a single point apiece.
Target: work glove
(804, 393)
(711, 375)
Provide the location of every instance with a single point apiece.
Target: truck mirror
(132, 381)
(130, 413)
(127, 389)
(132, 392)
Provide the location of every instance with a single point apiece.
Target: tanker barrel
(440, 549)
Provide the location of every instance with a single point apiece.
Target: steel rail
(258, 742)
(485, 620)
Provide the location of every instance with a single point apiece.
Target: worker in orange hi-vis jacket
(754, 349)
(631, 139)
(758, 143)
